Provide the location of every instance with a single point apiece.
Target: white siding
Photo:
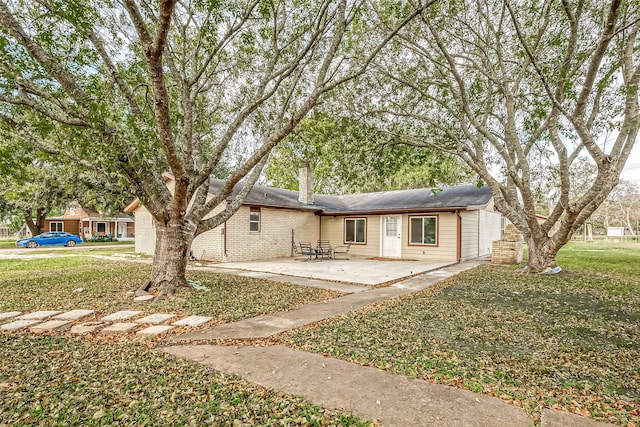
(469, 243)
(447, 239)
(489, 231)
(333, 230)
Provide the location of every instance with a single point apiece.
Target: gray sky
(631, 171)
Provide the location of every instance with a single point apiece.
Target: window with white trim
(56, 226)
(254, 220)
(355, 230)
(423, 230)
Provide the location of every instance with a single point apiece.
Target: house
(453, 224)
(88, 223)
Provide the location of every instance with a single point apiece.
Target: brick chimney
(305, 186)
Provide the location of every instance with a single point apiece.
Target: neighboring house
(452, 224)
(88, 223)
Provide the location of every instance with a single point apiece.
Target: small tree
(140, 88)
(504, 84)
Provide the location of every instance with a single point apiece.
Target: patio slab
(355, 270)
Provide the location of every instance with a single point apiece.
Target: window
(424, 230)
(254, 220)
(101, 227)
(56, 226)
(355, 230)
(391, 226)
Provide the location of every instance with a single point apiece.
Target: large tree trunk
(542, 252)
(35, 227)
(170, 258)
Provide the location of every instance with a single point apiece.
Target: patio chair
(324, 249)
(307, 250)
(343, 249)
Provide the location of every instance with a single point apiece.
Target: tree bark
(542, 252)
(35, 227)
(173, 242)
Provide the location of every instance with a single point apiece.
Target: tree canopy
(521, 91)
(140, 88)
(349, 156)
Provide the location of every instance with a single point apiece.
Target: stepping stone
(19, 324)
(73, 315)
(155, 330)
(9, 314)
(51, 326)
(192, 321)
(156, 319)
(87, 327)
(39, 315)
(120, 315)
(144, 298)
(119, 328)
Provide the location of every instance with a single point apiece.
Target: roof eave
(401, 210)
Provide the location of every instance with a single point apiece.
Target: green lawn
(49, 284)
(568, 341)
(60, 380)
(7, 244)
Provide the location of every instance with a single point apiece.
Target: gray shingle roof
(447, 198)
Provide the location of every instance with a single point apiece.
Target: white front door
(122, 229)
(392, 236)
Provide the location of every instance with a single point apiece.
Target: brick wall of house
(209, 246)
(144, 231)
(274, 238)
(69, 225)
(509, 250)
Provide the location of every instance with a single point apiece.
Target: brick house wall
(274, 238)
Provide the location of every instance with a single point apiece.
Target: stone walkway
(121, 322)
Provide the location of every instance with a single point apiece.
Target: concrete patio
(355, 270)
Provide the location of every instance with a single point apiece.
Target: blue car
(54, 238)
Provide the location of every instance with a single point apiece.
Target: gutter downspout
(224, 241)
(458, 236)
